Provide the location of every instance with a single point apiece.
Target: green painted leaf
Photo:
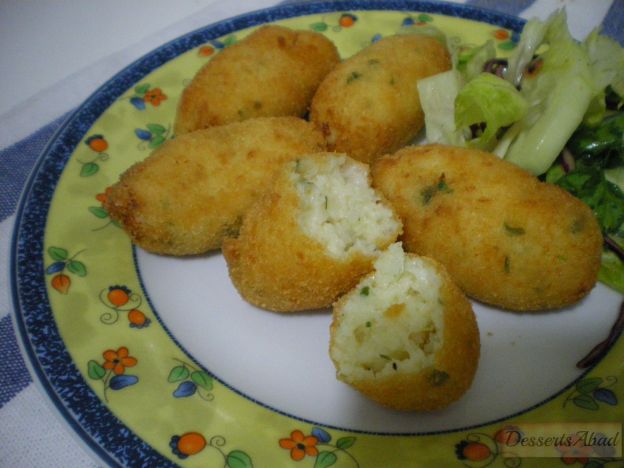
(345, 442)
(238, 459)
(77, 268)
(593, 464)
(424, 18)
(202, 379)
(156, 129)
(142, 89)
(178, 373)
(96, 372)
(156, 142)
(228, 41)
(325, 459)
(319, 27)
(507, 45)
(585, 402)
(588, 385)
(98, 211)
(57, 253)
(89, 169)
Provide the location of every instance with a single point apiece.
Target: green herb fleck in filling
(439, 187)
(438, 378)
(513, 231)
(353, 76)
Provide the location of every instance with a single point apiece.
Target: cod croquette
(368, 105)
(193, 191)
(506, 238)
(310, 238)
(406, 336)
(272, 72)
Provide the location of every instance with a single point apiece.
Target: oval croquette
(406, 336)
(368, 105)
(506, 238)
(312, 236)
(193, 191)
(272, 72)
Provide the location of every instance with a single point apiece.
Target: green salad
(555, 107)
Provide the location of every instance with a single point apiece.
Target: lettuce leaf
(437, 98)
(531, 39)
(471, 61)
(559, 96)
(607, 62)
(490, 100)
(611, 271)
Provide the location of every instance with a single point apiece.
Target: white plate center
(282, 361)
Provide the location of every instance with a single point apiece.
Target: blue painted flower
(321, 434)
(138, 102)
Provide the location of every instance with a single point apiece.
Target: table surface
(54, 55)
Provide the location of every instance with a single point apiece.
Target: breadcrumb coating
(289, 257)
(506, 238)
(272, 72)
(194, 190)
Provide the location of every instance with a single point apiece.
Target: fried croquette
(368, 105)
(506, 238)
(272, 72)
(406, 336)
(312, 236)
(193, 191)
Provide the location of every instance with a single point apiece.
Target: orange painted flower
(61, 283)
(154, 96)
(501, 34)
(118, 360)
(206, 51)
(576, 451)
(300, 445)
(102, 197)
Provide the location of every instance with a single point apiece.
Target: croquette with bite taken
(310, 238)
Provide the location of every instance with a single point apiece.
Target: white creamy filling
(339, 208)
(393, 321)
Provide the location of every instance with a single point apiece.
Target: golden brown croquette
(272, 72)
(368, 105)
(406, 336)
(312, 236)
(506, 238)
(193, 191)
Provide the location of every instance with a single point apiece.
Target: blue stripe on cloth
(14, 376)
(613, 23)
(511, 8)
(16, 162)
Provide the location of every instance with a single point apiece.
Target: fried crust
(276, 266)
(506, 238)
(368, 105)
(272, 72)
(193, 191)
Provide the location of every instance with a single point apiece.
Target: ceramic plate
(158, 359)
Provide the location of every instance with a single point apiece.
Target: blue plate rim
(98, 428)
